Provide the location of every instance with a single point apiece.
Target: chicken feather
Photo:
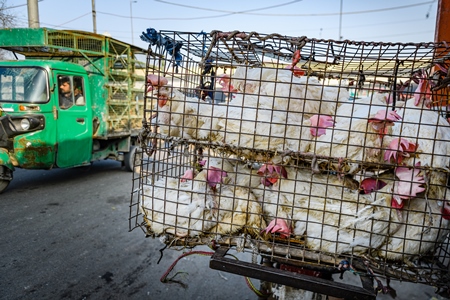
(353, 136)
(326, 213)
(422, 228)
(428, 131)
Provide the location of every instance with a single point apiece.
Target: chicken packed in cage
(322, 148)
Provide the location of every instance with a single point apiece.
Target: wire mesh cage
(302, 150)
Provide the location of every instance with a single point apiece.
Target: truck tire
(4, 182)
(129, 159)
(3, 185)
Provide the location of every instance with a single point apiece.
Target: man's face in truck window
(65, 87)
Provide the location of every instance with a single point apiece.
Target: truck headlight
(15, 125)
(25, 124)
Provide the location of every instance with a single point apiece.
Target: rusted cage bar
(304, 151)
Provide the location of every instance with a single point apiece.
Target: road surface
(65, 236)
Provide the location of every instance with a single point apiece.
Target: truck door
(74, 124)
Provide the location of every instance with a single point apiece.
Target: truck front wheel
(130, 161)
(5, 178)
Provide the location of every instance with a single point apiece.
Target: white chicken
(234, 206)
(328, 215)
(237, 209)
(180, 208)
(180, 115)
(424, 225)
(265, 121)
(250, 122)
(346, 226)
(424, 132)
(251, 127)
(422, 213)
(192, 209)
(358, 132)
(303, 94)
(237, 172)
(202, 204)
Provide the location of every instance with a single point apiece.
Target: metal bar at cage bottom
(305, 282)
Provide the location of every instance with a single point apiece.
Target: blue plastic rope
(170, 45)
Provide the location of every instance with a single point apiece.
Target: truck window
(71, 91)
(78, 91)
(23, 84)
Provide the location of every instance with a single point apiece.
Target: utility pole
(131, 18)
(340, 21)
(94, 16)
(33, 14)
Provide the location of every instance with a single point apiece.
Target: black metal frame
(300, 281)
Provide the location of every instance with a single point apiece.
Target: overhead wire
(25, 21)
(74, 19)
(249, 12)
(360, 25)
(230, 12)
(15, 6)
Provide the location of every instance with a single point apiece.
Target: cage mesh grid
(74, 41)
(228, 147)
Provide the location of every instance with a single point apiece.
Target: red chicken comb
(156, 80)
(278, 226)
(225, 81)
(446, 210)
(188, 175)
(369, 185)
(214, 176)
(382, 116)
(408, 186)
(423, 90)
(296, 70)
(398, 149)
(383, 119)
(271, 173)
(319, 124)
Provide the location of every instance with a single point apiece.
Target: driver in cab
(65, 96)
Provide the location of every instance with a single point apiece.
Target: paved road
(65, 236)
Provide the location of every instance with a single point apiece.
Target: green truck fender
(5, 160)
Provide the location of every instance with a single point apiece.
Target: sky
(359, 20)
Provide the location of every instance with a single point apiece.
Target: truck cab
(74, 99)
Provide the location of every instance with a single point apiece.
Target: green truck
(68, 99)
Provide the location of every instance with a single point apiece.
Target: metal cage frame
(191, 63)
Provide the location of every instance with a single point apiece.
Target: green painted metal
(114, 109)
(74, 131)
(29, 37)
(111, 64)
(5, 159)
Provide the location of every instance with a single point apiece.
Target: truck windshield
(23, 84)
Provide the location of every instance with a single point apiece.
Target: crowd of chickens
(384, 190)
